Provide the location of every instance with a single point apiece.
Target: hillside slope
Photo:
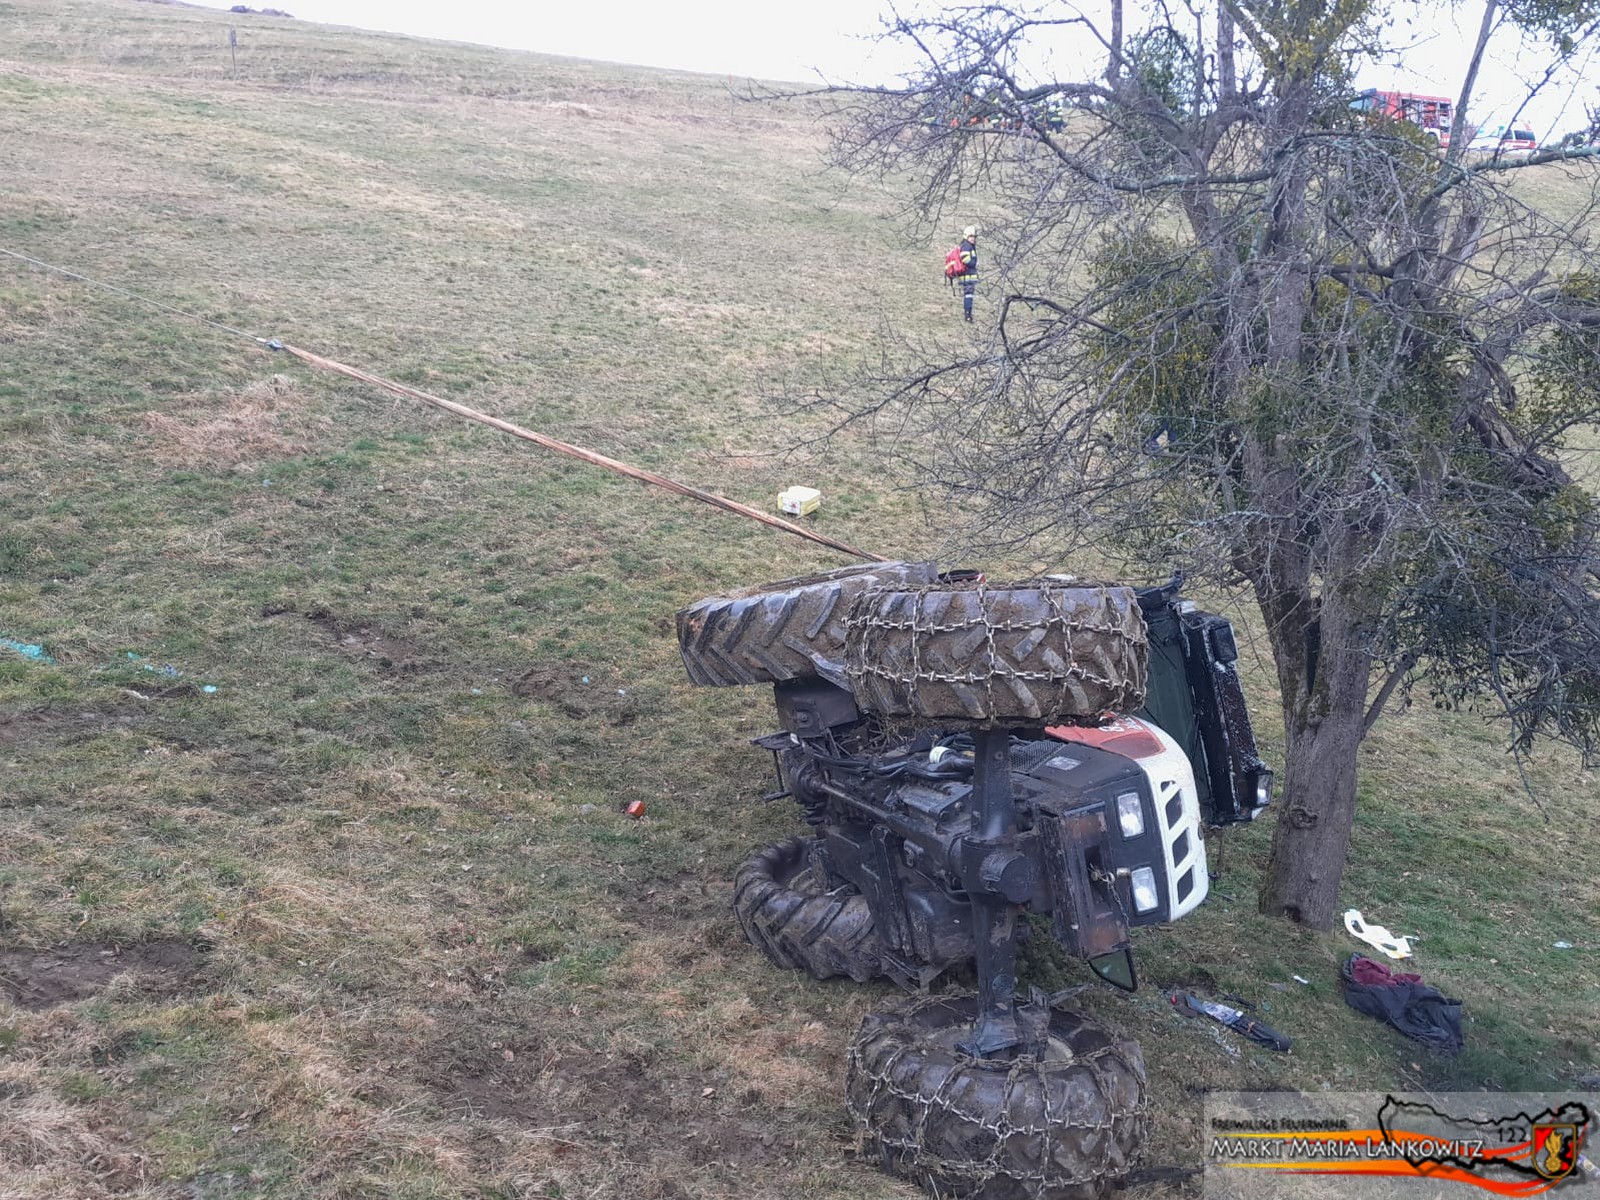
(314, 879)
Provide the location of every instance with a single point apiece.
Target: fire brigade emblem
(1555, 1150)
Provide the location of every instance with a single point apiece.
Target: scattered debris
(171, 672)
(26, 649)
(1224, 1043)
(799, 501)
(1401, 999)
(1298, 979)
(580, 692)
(365, 640)
(635, 809)
(1561, 945)
(1191, 1005)
(1376, 936)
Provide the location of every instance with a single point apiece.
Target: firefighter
(969, 268)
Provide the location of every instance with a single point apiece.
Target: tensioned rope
(122, 291)
(472, 414)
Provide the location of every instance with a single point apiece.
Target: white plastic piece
(1180, 833)
(1376, 936)
(1170, 775)
(799, 501)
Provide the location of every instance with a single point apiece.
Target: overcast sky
(797, 41)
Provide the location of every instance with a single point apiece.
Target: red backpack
(953, 265)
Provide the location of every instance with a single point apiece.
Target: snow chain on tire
(791, 629)
(1000, 654)
(792, 916)
(1064, 1125)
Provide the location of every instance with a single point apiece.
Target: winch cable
(472, 414)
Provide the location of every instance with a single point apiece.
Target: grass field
(367, 919)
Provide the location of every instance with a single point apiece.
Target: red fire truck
(1431, 114)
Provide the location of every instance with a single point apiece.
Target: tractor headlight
(1130, 814)
(1143, 880)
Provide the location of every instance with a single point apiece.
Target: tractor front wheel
(799, 920)
(1064, 1122)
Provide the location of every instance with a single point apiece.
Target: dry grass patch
(237, 429)
(59, 1136)
(38, 1129)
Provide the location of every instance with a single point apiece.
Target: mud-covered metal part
(922, 927)
(998, 877)
(1087, 918)
(790, 629)
(1241, 784)
(1195, 694)
(1108, 837)
(811, 708)
(991, 656)
(800, 919)
(994, 657)
(803, 778)
(1064, 1122)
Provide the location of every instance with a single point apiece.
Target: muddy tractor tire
(791, 629)
(792, 915)
(1065, 1124)
(997, 655)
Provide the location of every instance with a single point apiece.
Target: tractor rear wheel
(998, 654)
(789, 911)
(1065, 1123)
(791, 629)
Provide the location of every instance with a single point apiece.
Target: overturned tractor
(965, 753)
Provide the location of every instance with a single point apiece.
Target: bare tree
(1294, 346)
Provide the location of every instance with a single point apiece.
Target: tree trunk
(1317, 813)
(1227, 83)
(1324, 669)
(1114, 59)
